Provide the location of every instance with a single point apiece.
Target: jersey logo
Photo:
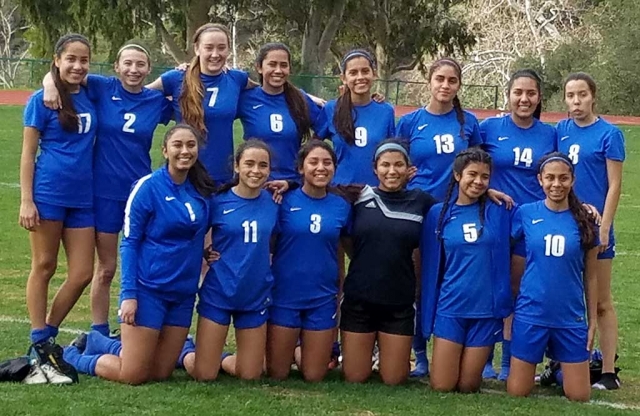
(501, 138)
(114, 98)
(263, 312)
(420, 128)
(255, 107)
(563, 138)
(536, 221)
(169, 198)
(293, 209)
(370, 205)
(227, 211)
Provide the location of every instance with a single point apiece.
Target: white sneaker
(36, 375)
(53, 375)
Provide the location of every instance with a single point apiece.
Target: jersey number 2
(130, 119)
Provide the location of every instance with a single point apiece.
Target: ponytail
(459, 115)
(192, 96)
(299, 110)
(200, 179)
(538, 112)
(349, 193)
(343, 118)
(67, 115)
(583, 220)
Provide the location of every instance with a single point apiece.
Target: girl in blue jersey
(311, 222)
(206, 96)
(57, 199)
(356, 123)
(596, 149)
(466, 289)
(436, 133)
(166, 218)
(556, 304)
(238, 285)
(128, 114)
(277, 112)
(514, 142)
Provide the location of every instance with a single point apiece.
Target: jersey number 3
(315, 223)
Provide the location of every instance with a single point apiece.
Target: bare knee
(441, 385)
(204, 376)
(314, 375)
(278, 373)
(578, 396)
(393, 379)
(249, 373)
(356, 376)
(134, 379)
(45, 268)
(518, 390)
(467, 386)
(104, 274)
(162, 374)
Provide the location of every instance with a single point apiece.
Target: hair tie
(356, 54)
(556, 159)
(133, 46)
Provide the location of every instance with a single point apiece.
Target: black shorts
(365, 317)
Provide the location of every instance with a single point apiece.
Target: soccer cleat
(375, 359)
(504, 374)
(36, 375)
(548, 376)
(115, 334)
(608, 381)
(80, 342)
(49, 356)
(488, 373)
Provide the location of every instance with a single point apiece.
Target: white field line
(10, 185)
(10, 319)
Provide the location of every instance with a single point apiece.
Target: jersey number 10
(554, 245)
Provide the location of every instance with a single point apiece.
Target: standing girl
(277, 112)
(596, 149)
(355, 123)
(380, 288)
(206, 97)
(436, 133)
(57, 200)
(559, 284)
(515, 142)
(128, 115)
(311, 222)
(238, 285)
(166, 219)
(465, 275)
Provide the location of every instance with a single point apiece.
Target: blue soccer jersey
(305, 265)
(163, 235)
(220, 103)
(589, 148)
(515, 152)
(552, 289)
(434, 142)
(267, 117)
(126, 123)
(467, 279)
(63, 173)
(241, 279)
(373, 123)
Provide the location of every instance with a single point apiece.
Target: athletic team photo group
(335, 239)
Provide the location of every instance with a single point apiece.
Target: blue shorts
(109, 215)
(469, 332)
(320, 318)
(519, 248)
(70, 217)
(154, 312)
(530, 342)
(610, 252)
(241, 319)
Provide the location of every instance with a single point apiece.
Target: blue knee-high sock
(187, 348)
(39, 335)
(102, 328)
(53, 331)
(419, 343)
(506, 354)
(85, 364)
(100, 344)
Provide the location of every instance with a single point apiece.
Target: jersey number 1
(250, 231)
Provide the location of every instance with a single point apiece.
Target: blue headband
(391, 147)
(556, 159)
(355, 54)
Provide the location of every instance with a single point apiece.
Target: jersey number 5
(470, 232)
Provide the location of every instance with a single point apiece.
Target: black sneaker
(608, 381)
(80, 342)
(115, 334)
(49, 356)
(548, 376)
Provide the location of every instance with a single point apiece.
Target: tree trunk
(197, 14)
(316, 42)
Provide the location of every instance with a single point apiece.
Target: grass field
(228, 396)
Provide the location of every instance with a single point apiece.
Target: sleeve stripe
(127, 210)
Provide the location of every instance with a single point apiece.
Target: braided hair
(462, 160)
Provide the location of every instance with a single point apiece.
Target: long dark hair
(344, 118)
(198, 175)
(67, 115)
(296, 101)
(462, 160)
(580, 215)
(244, 146)
(457, 105)
(531, 74)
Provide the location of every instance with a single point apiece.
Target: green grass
(333, 397)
